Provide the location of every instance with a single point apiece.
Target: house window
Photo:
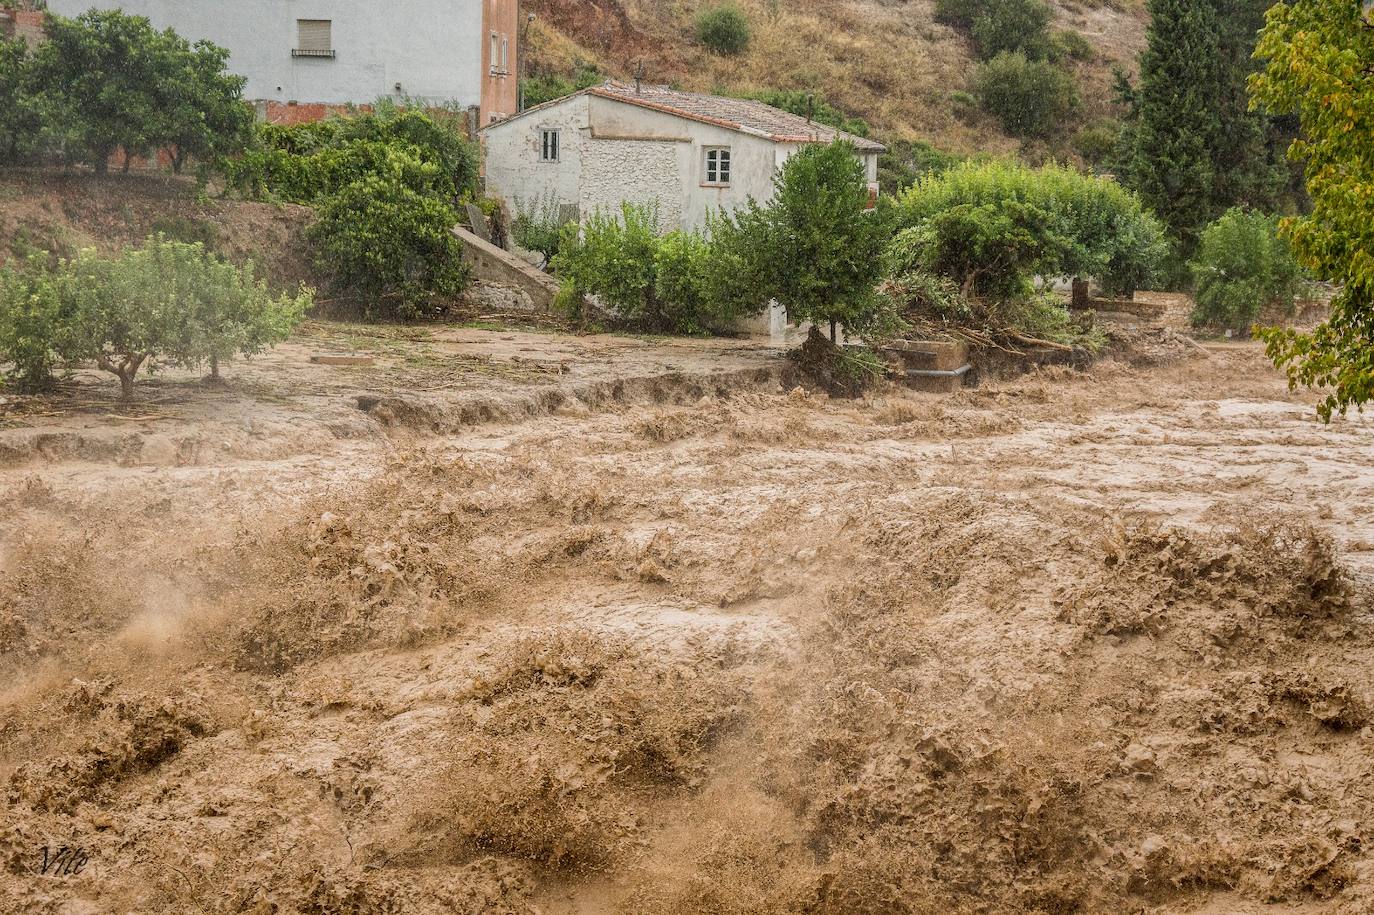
(548, 146)
(314, 38)
(717, 166)
(505, 53)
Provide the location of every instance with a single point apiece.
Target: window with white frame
(505, 53)
(717, 166)
(548, 146)
(494, 58)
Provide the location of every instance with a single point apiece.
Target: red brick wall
(25, 24)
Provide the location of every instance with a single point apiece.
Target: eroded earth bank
(1079, 642)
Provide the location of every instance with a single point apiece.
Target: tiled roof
(744, 115)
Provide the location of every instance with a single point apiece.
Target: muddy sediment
(1079, 642)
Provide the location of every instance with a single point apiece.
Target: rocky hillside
(887, 61)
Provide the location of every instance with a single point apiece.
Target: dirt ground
(511, 623)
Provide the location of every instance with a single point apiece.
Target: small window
(494, 59)
(505, 52)
(314, 38)
(548, 146)
(718, 165)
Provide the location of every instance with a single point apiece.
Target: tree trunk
(102, 165)
(834, 337)
(126, 384)
(214, 367)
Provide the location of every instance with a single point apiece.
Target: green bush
(1242, 266)
(675, 283)
(381, 239)
(724, 29)
(1012, 25)
(1001, 25)
(1031, 98)
(306, 163)
(33, 325)
(1097, 143)
(1067, 43)
(22, 111)
(538, 225)
(906, 160)
(994, 226)
(819, 245)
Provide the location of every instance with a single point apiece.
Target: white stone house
(614, 143)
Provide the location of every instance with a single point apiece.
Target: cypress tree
(1176, 128)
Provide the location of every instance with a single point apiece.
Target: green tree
(21, 108)
(994, 226)
(812, 105)
(165, 302)
(1031, 98)
(1319, 54)
(203, 112)
(34, 328)
(1177, 127)
(1241, 267)
(114, 82)
(822, 242)
(389, 243)
(724, 29)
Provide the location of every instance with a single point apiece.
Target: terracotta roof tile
(744, 115)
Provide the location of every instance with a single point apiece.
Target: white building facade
(338, 52)
(689, 154)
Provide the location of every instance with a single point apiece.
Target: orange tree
(1320, 66)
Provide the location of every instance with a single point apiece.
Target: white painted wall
(611, 152)
(433, 48)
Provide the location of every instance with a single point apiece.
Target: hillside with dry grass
(887, 61)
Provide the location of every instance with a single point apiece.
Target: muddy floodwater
(509, 623)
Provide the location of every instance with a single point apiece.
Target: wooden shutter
(315, 35)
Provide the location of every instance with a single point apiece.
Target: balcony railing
(302, 52)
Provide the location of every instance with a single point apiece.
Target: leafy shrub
(382, 239)
(678, 283)
(33, 325)
(1031, 98)
(308, 162)
(1242, 266)
(994, 226)
(1071, 44)
(723, 29)
(682, 269)
(538, 225)
(1097, 143)
(1001, 25)
(545, 88)
(1010, 26)
(189, 230)
(906, 160)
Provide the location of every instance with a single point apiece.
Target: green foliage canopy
(993, 226)
(723, 29)
(1031, 98)
(1242, 266)
(1319, 57)
(111, 81)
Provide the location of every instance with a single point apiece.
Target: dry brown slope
(888, 61)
